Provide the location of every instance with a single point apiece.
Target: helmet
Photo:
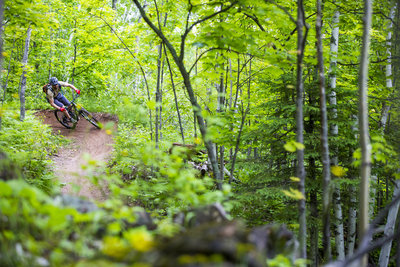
(53, 81)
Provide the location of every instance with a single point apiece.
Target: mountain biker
(56, 99)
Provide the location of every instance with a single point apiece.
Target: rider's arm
(68, 85)
(51, 101)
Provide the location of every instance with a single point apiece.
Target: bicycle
(75, 111)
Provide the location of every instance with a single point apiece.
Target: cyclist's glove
(78, 92)
(62, 109)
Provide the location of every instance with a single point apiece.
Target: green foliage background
(111, 56)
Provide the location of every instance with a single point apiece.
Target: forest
(231, 133)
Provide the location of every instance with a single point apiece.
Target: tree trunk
(244, 114)
(389, 228)
(175, 97)
(158, 95)
(339, 233)
(114, 4)
(326, 173)
(188, 85)
(23, 76)
(352, 222)
(8, 74)
(365, 170)
(300, 172)
(314, 220)
(1, 50)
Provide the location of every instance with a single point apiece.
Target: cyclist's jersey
(52, 92)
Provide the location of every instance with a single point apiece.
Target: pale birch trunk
(23, 76)
(392, 215)
(389, 81)
(334, 47)
(372, 195)
(326, 172)
(300, 170)
(389, 228)
(365, 170)
(352, 222)
(220, 109)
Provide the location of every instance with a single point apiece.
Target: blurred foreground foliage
(146, 189)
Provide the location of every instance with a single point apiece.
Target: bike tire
(60, 116)
(90, 118)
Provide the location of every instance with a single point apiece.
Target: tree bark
(326, 173)
(244, 114)
(175, 97)
(389, 228)
(352, 222)
(158, 95)
(8, 74)
(365, 170)
(334, 45)
(1, 50)
(300, 172)
(23, 76)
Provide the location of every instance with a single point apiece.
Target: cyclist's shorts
(60, 100)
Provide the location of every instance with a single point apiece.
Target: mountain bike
(75, 111)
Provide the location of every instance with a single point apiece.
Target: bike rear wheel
(63, 119)
(90, 118)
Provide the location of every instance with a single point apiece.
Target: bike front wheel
(60, 116)
(90, 118)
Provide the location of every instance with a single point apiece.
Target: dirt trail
(67, 163)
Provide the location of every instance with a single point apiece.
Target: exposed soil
(85, 139)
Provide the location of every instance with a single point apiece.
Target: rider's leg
(62, 101)
(61, 105)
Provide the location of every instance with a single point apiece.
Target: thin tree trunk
(75, 50)
(326, 173)
(300, 172)
(352, 222)
(23, 76)
(1, 50)
(389, 228)
(141, 69)
(175, 97)
(389, 82)
(158, 94)
(231, 83)
(8, 74)
(230, 100)
(244, 114)
(220, 109)
(339, 233)
(384, 255)
(314, 220)
(188, 85)
(237, 84)
(365, 169)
